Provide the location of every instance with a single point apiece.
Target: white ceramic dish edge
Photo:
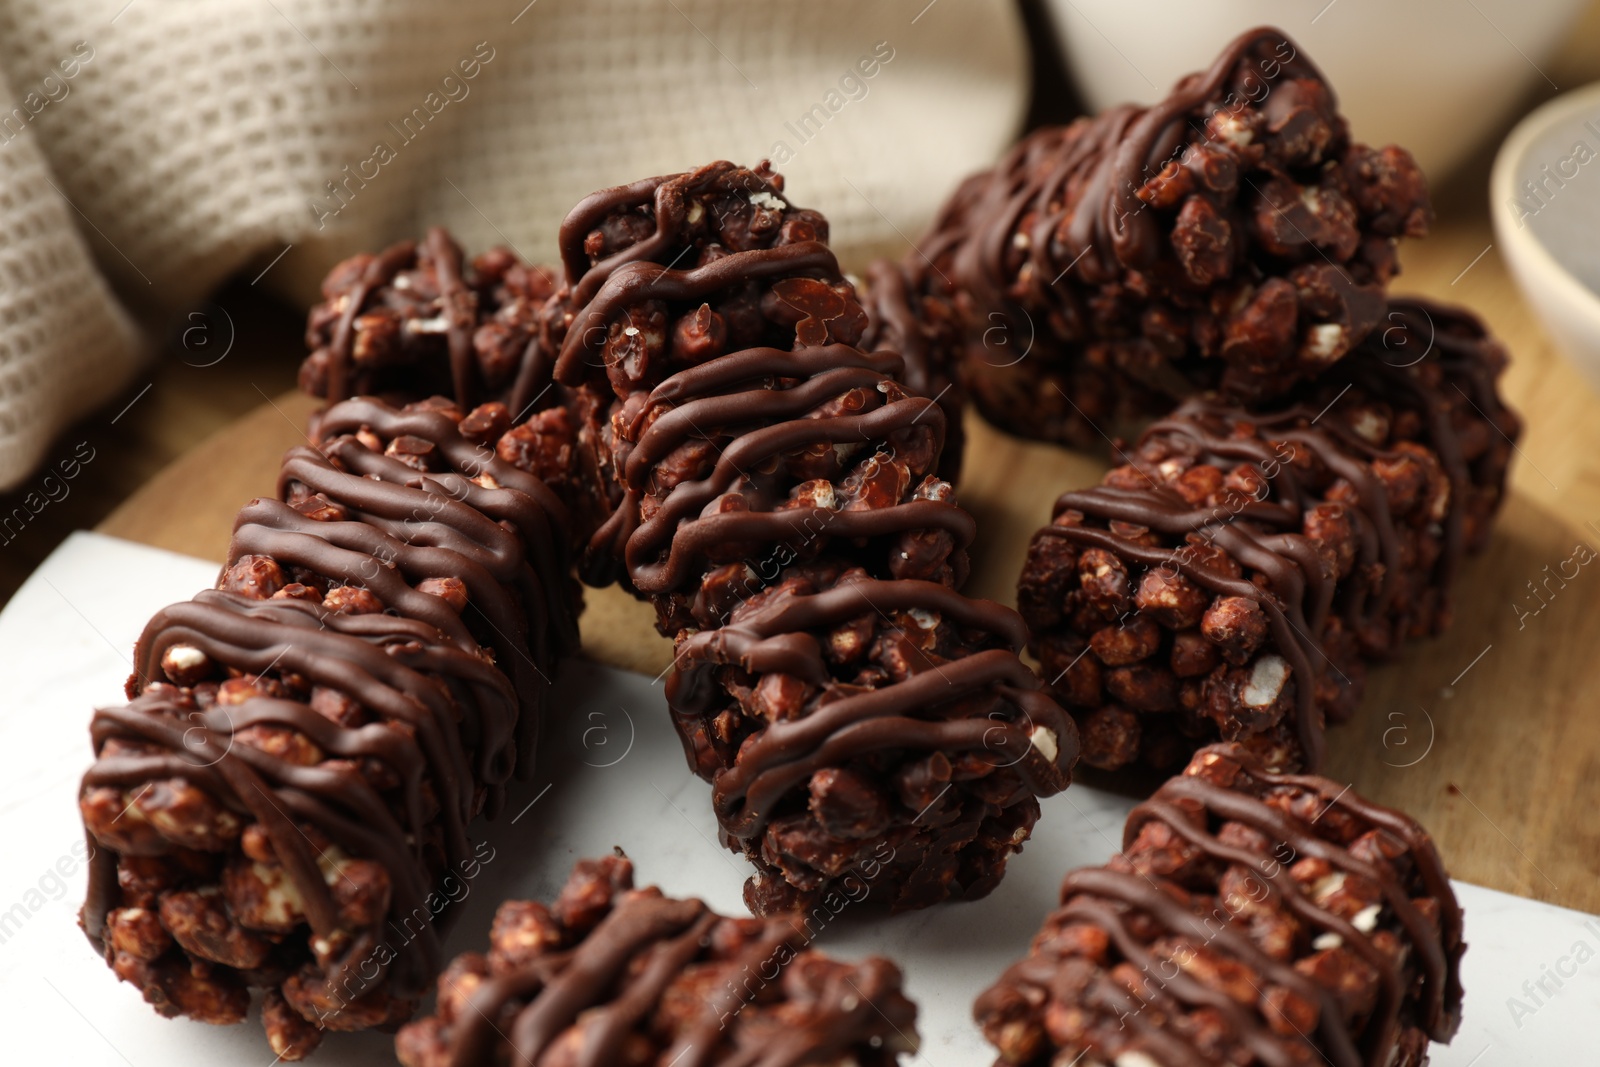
(1569, 309)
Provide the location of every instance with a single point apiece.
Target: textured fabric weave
(149, 149)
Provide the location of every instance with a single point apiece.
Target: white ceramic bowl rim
(1502, 191)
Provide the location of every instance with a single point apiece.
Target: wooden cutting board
(1489, 735)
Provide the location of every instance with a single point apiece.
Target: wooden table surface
(1482, 734)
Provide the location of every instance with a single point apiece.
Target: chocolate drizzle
(927, 337)
(1073, 191)
(778, 638)
(1433, 366)
(438, 704)
(456, 306)
(508, 522)
(1438, 360)
(666, 974)
(767, 424)
(398, 534)
(635, 282)
(379, 272)
(1131, 146)
(1229, 237)
(1440, 999)
(1263, 535)
(557, 988)
(777, 445)
(449, 699)
(417, 319)
(1223, 798)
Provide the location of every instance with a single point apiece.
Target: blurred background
(175, 179)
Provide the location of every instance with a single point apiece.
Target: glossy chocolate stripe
(786, 753)
(694, 539)
(450, 724)
(1174, 805)
(592, 968)
(1107, 216)
(510, 495)
(1141, 893)
(460, 310)
(760, 366)
(378, 273)
(1156, 511)
(634, 283)
(1263, 535)
(769, 414)
(600, 999)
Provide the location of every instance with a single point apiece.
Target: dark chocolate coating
(411, 513)
(791, 446)
(773, 762)
(417, 320)
(405, 671)
(662, 552)
(496, 528)
(1261, 919)
(928, 337)
(1228, 237)
(369, 738)
(1416, 403)
(635, 976)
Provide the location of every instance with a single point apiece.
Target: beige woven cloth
(150, 149)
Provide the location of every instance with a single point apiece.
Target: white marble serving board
(612, 775)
